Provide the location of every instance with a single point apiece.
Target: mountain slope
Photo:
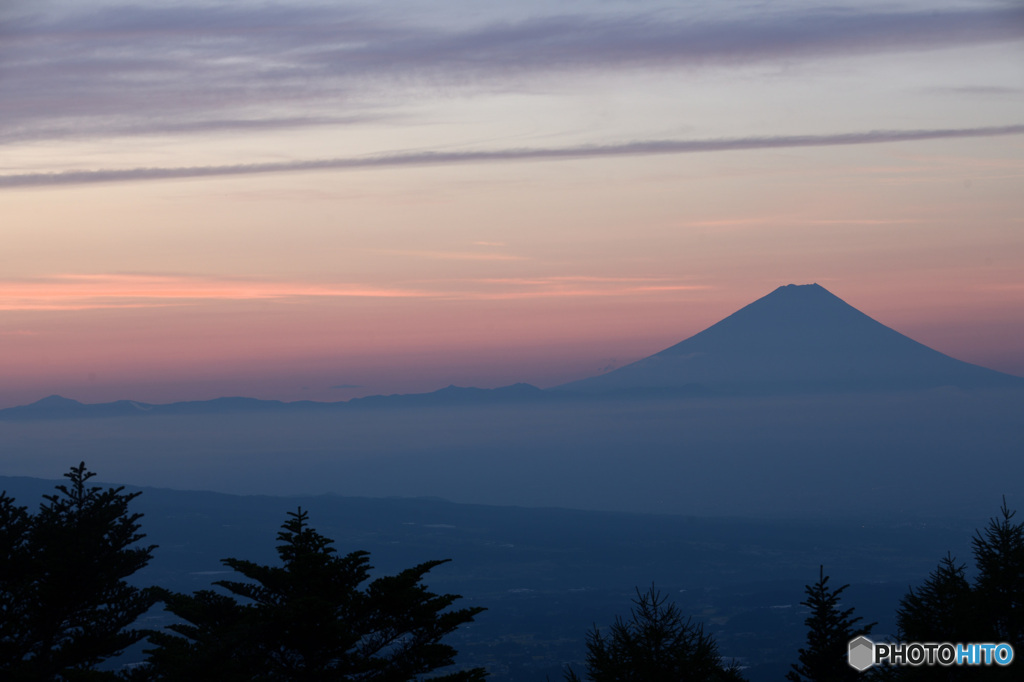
(799, 337)
(58, 407)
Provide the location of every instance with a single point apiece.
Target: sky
(320, 201)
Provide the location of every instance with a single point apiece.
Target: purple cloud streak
(443, 158)
(137, 69)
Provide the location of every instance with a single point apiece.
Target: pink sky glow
(331, 202)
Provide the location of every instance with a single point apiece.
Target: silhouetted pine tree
(15, 581)
(999, 587)
(654, 645)
(829, 631)
(308, 619)
(65, 604)
(947, 609)
(943, 609)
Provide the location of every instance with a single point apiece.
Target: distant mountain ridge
(59, 407)
(797, 338)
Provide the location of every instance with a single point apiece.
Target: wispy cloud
(567, 286)
(978, 90)
(563, 279)
(82, 292)
(98, 291)
(142, 68)
(576, 291)
(429, 158)
(451, 255)
(776, 220)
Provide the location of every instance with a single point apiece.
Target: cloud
(978, 90)
(451, 255)
(792, 220)
(561, 279)
(650, 38)
(565, 286)
(98, 291)
(83, 292)
(142, 68)
(346, 386)
(120, 126)
(433, 158)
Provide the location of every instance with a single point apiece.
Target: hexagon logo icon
(862, 653)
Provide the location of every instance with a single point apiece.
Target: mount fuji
(796, 406)
(797, 338)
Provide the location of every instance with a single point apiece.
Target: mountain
(455, 396)
(785, 433)
(797, 338)
(59, 407)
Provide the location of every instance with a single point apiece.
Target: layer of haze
(306, 201)
(892, 453)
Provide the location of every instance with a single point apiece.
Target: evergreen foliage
(64, 604)
(949, 609)
(999, 587)
(942, 609)
(65, 608)
(309, 619)
(15, 582)
(829, 631)
(655, 645)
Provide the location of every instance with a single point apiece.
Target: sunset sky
(319, 201)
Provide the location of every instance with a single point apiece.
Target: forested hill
(547, 575)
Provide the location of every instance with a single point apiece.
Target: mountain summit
(797, 338)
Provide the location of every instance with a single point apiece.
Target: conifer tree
(65, 604)
(999, 587)
(15, 580)
(310, 619)
(829, 631)
(655, 645)
(942, 609)
(947, 609)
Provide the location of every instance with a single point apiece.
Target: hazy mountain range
(796, 405)
(798, 338)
